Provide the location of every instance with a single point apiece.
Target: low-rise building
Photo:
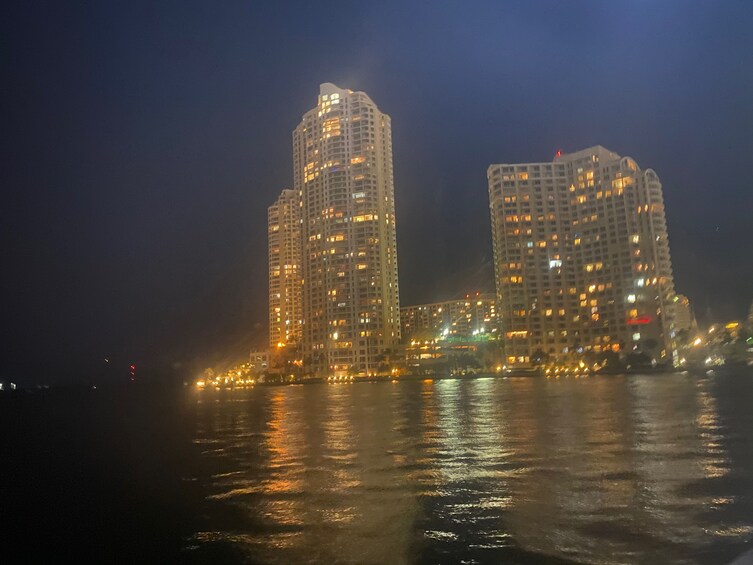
(258, 361)
(471, 316)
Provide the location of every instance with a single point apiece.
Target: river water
(605, 469)
(610, 469)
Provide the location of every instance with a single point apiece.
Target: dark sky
(142, 144)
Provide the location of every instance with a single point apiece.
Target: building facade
(470, 316)
(684, 319)
(581, 256)
(258, 362)
(342, 152)
(285, 270)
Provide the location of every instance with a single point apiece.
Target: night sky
(142, 144)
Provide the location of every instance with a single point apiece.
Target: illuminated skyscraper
(581, 257)
(682, 312)
(342, 152)
(285, 276)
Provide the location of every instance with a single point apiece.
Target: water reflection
(596, 470)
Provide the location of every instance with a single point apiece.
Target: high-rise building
(471, 316)
(581, 257)
(285, 270)
(342, 152)
(682, 312)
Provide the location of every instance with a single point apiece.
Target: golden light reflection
(369, 472)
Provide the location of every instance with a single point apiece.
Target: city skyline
(142, 160)
(581, 255)
(377, 282)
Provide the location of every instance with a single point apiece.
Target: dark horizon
(144, 143)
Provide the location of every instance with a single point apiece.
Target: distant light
(697, 341)
(555, 264)
(559, 153)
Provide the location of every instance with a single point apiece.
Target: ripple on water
(602, 470)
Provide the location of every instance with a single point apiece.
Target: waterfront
(605, 469)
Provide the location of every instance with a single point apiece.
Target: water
(639, 469)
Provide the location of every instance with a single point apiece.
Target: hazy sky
(142, 144)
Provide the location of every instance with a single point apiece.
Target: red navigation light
(559, 153)
(638, 321)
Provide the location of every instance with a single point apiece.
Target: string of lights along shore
(336, 255)
(581, 253)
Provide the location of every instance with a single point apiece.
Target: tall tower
(581, 257)
(342, 152)
(285, 271)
